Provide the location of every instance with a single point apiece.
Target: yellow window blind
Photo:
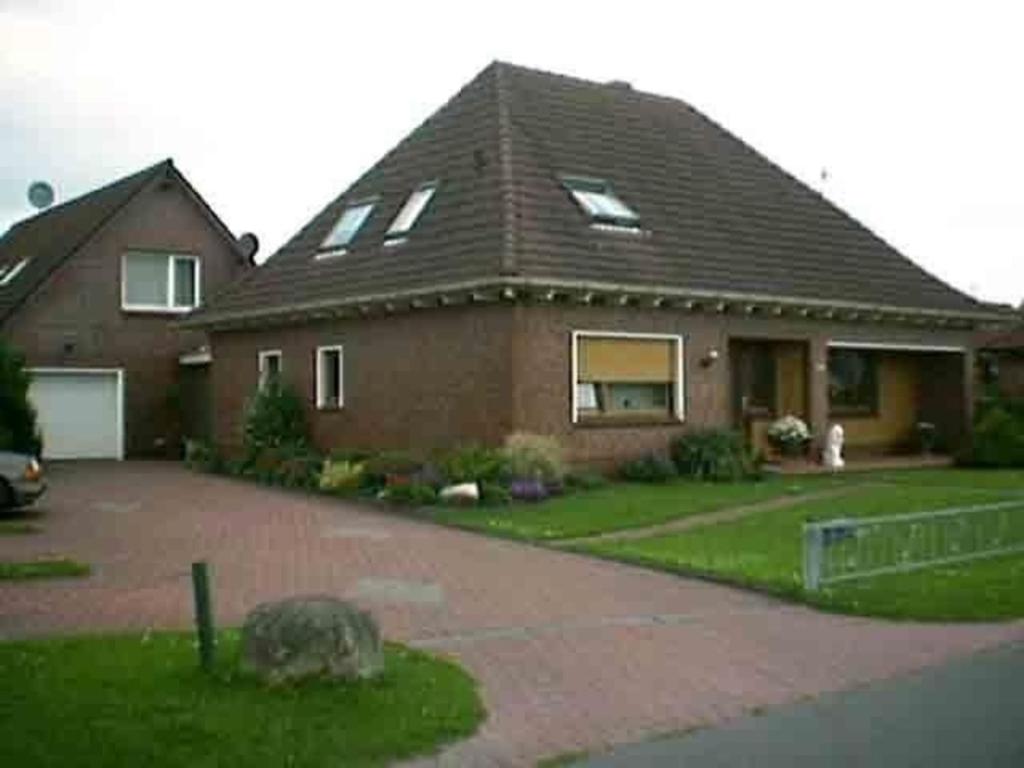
(626, 360)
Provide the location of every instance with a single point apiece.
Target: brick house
(595, 263)
(92, 290)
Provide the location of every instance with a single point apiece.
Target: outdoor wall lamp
(710, 357)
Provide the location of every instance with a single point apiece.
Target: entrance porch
(890, 399)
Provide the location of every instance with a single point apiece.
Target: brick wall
(444, 376)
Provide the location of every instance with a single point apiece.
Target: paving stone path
(572, 653)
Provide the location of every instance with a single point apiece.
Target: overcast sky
(915, 109)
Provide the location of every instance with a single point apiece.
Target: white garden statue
(832, 456)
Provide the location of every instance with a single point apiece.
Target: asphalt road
(967, 713)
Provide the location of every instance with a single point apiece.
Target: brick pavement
(572, 653)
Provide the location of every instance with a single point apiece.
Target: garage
(81, 412)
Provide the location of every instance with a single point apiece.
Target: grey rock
(307, 637)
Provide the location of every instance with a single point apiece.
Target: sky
(914, 111)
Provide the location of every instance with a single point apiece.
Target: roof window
(414, 205)
(8, 275)
(348, 226)
(598, 201)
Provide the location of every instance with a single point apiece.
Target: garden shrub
(275, 418)
(413, 494)
(383, 468)
(585, 480)
(202, 457)
(18, 429)
(534, 456)
(293, 466)
(473, 463)
(998, 439)
(494, 494)
(341, 476)
(713, 454)
(648, 469)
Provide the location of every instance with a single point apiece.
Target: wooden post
(204, 614)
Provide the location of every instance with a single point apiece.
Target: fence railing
(852, 548)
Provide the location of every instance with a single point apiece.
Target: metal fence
(853, 548)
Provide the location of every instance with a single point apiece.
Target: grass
(621, 506)
(764, 550)
(17, 527)
(131, 701)
(52, 568)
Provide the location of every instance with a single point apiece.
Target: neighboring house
(595, 263)
(1002, 364)
(92, 290)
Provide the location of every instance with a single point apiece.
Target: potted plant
(790, 435)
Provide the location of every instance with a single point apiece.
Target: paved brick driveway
(572, 653)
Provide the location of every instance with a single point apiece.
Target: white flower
(789, 429)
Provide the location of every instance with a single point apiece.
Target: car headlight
(33, 471)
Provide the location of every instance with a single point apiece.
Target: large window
(159, 282)
(599, 201)
(269, 367)
(330, 377)
(853, 381)
(627, 377)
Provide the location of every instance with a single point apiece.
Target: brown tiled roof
(52, 236)
(716, 215)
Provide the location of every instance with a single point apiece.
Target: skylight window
(7, 277)
(348, 225)
(597, 200)
(414, 205)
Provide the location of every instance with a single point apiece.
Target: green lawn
(133, 701)
(17, 527)
(764, 550)
(620, 506)
(53, 568)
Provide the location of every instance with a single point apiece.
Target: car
(21, 480)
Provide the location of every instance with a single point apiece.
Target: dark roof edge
(507, 287)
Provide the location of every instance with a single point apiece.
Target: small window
(159, 282)
(853, 381)
(627, 377)
(597, 200)
(348, 226)
(269, 367)
(7, 275)
(330, 380)
(414, 205)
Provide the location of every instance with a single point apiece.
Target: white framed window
(330, 377)
(159, 282)
(7, 275)
(599, 201)
(411, 211)
(270, 366)
(348, 225)
(620, 376)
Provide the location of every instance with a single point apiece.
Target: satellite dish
(40, 195)
(249, 244)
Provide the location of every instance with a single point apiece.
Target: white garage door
(80, 412)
